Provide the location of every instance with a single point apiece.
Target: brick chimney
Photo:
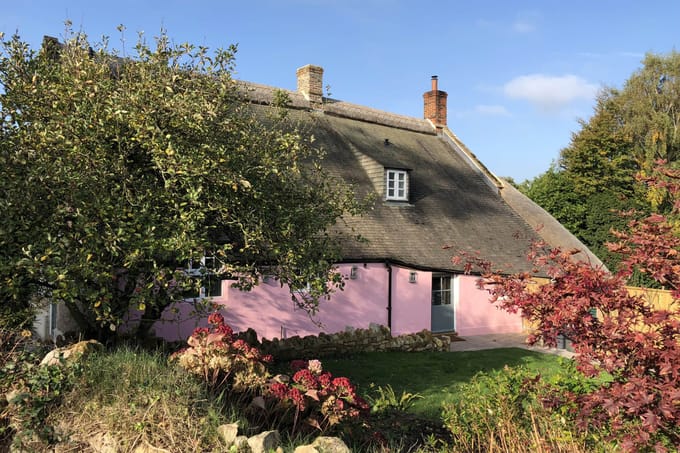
(310, 84)
(435, 105)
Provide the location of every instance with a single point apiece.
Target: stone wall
(351, 341)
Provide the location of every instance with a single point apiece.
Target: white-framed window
(396, 185)
(205, 270)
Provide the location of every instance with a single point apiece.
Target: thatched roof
(454, 200)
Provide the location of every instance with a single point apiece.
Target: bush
(503, 411)
(237, 373)
(386, 401)
(34, 389)
(224, 362)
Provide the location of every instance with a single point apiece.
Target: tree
(633, 341)
(118, 172)
(631, 128)
(650, 110)
(599, 156)
(554, 191)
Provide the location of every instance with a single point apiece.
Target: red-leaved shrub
(311, 395)
(636, 343)
(221, 360)
(315, 397)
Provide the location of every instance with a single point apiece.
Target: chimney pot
(435, 105)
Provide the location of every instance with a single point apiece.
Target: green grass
(137, 397)
(436, 376)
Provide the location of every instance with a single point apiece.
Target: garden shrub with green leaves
(35, 389)
(386, 400)
(504, 411)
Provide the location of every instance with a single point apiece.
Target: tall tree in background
(115, 173)
(630, 131)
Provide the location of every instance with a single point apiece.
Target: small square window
(396, 185)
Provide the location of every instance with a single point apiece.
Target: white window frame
(203, 270)
(396, 185)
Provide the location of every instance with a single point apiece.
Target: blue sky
(518, 73)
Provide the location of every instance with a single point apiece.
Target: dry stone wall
(375, 338)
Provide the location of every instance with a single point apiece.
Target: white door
(443, 319)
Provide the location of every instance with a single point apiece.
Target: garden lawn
(436, 376)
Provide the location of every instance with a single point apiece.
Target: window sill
(401, 204)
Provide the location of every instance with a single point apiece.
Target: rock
(306, 449)
(374, 327)
(324, 444)
(228, 433)
(72, 353)
(241, 443)
(264, 442)
(14, 396)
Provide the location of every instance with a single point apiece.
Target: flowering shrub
(311, 395)
(221, 360)
(315, 396)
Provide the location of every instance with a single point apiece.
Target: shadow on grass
(436, 376)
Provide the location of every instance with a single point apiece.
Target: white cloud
(492, 110)
(550, 93)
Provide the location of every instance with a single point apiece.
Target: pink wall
(410, 301)
(475, 315)
(269, 309)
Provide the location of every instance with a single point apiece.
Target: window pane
(436, 283)
(390, 192)
(436, 298)
(446, 283)
(213, 286)
(401, 177)
(441, 290)
(209, 262)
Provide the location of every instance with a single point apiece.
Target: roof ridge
(264, 94)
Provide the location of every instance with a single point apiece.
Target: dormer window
(396, 185)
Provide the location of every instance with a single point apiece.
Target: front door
(443, 319)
